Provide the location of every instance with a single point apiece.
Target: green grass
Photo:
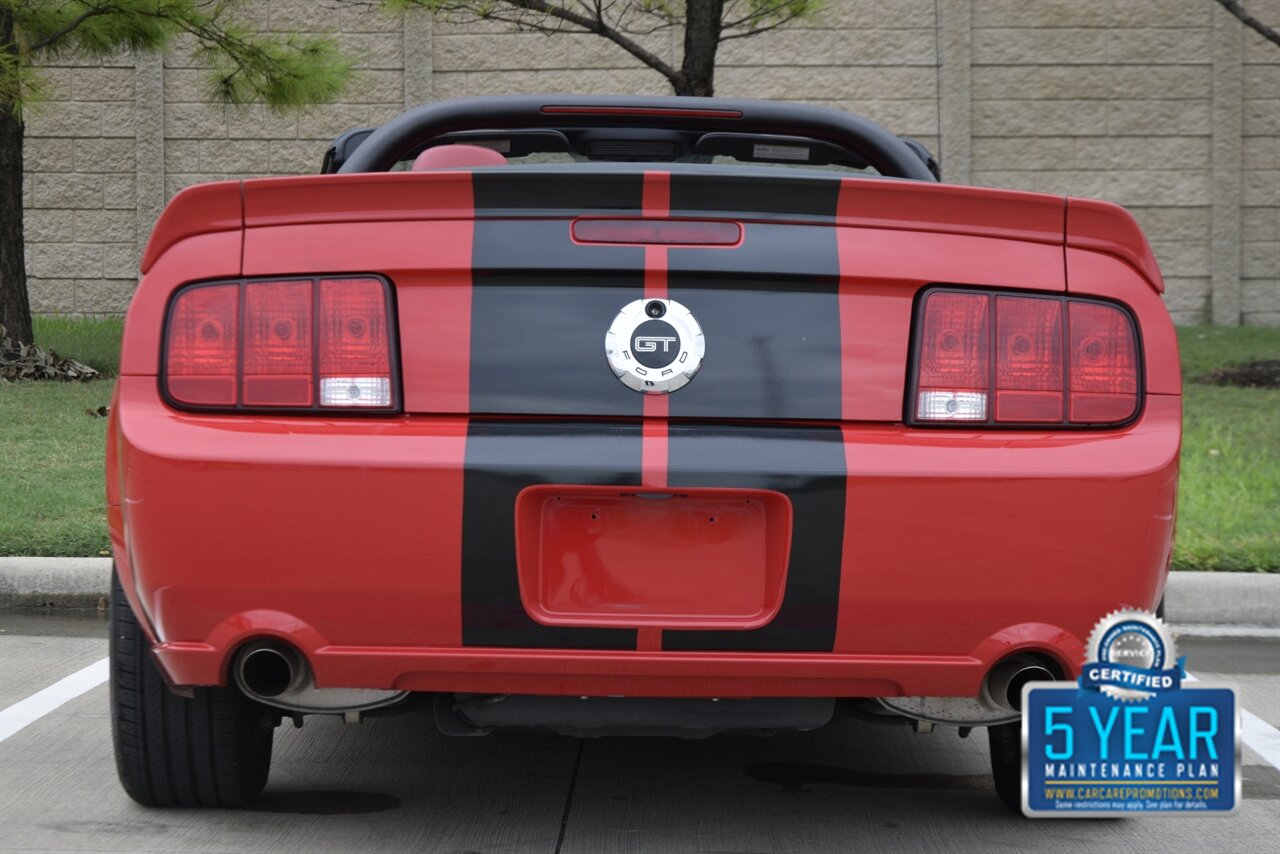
(51, 493)
(1229, 491)
(51, 451)
(93, 341)
(51, 489)
(1207, 347)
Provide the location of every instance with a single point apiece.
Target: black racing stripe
(540, 350)
(806, 464)
(539, 252)
(772, 256)
(770, 317)
(770, 314)
(795, 196)
(502, 458)
(540, 308)
(556, 194)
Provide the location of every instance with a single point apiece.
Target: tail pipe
(266, 671)
(999, 701)
(276, 674)
(1004, 685)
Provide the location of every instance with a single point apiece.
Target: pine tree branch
(755, 31)
(776, 12)
(1249, 21)
(68, 28)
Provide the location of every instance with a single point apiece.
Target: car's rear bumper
(947, 550)
(602, 673)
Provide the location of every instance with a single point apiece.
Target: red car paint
(345, 536)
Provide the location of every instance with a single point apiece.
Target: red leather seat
(452, 156)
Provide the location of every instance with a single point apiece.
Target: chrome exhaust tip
(1004, 684)
(268, 670)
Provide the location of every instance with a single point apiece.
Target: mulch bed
(1262, 374)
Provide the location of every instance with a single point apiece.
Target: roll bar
(882, 149)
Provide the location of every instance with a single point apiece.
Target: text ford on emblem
(654, 345)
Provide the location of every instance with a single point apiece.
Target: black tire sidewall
(209, 749)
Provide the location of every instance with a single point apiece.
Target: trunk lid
(503, 311)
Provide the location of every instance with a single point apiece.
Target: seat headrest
(450, 156)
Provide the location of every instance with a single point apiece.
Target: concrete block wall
(1108, 100)
(1169, 107)
(80, 217)
(204, 141)
(1260, 171)
(873, 58)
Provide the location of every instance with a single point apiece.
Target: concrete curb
(55, 582)
(1223, 598)
(1192, 598)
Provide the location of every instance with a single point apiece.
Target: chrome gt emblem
(654, 346)
(649, 343)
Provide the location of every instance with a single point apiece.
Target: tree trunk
(701, 39)
(15, 310)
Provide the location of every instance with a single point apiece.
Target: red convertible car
(624, 415)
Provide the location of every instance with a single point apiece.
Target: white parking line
(41, 703)
(1259, 735)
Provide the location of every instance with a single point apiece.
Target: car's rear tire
(212, 749)
(1006, 763)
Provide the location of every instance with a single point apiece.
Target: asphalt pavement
(394, 784)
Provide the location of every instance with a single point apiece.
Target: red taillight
(355, 362)
(954, 357)
(672, 232)
(278, 357)
(666, 112)
(1028, 359)
(298, 344)
(203, 346)
(1020, 373)
(1104, 363)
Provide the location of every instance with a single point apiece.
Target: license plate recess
(682, 559)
